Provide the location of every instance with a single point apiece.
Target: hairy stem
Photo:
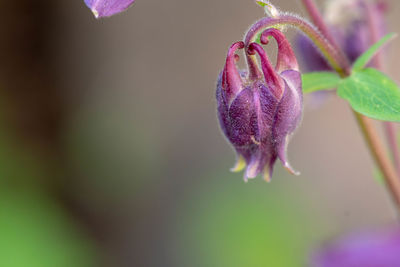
(334, 57)
(369, 132)
(319, 22)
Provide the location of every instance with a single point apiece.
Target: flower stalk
(380, 156)
(319, 22)
(334, 56)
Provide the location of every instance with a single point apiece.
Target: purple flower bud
(258, 111)
(107, 8)
(373, 249)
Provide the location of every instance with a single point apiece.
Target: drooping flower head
(259, 110)
(371, 249)
(107, 8)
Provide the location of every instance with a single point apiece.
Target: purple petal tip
(107, 8)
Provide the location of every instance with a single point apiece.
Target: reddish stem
(334, 57)
(378, 62)
(318, 21)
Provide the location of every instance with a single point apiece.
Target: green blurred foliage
(230, 223)
(34, 229)
(36, 232)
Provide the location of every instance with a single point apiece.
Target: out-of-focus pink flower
(379, 248)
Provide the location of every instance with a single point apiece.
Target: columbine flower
(259, 111)
(350, 23)
(107, 8)
(373, 249)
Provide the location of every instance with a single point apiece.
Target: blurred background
(111, 154)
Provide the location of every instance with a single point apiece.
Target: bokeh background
(111, 155)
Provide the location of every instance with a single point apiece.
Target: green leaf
(363, 60)
(372, 93)
(316, 81)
